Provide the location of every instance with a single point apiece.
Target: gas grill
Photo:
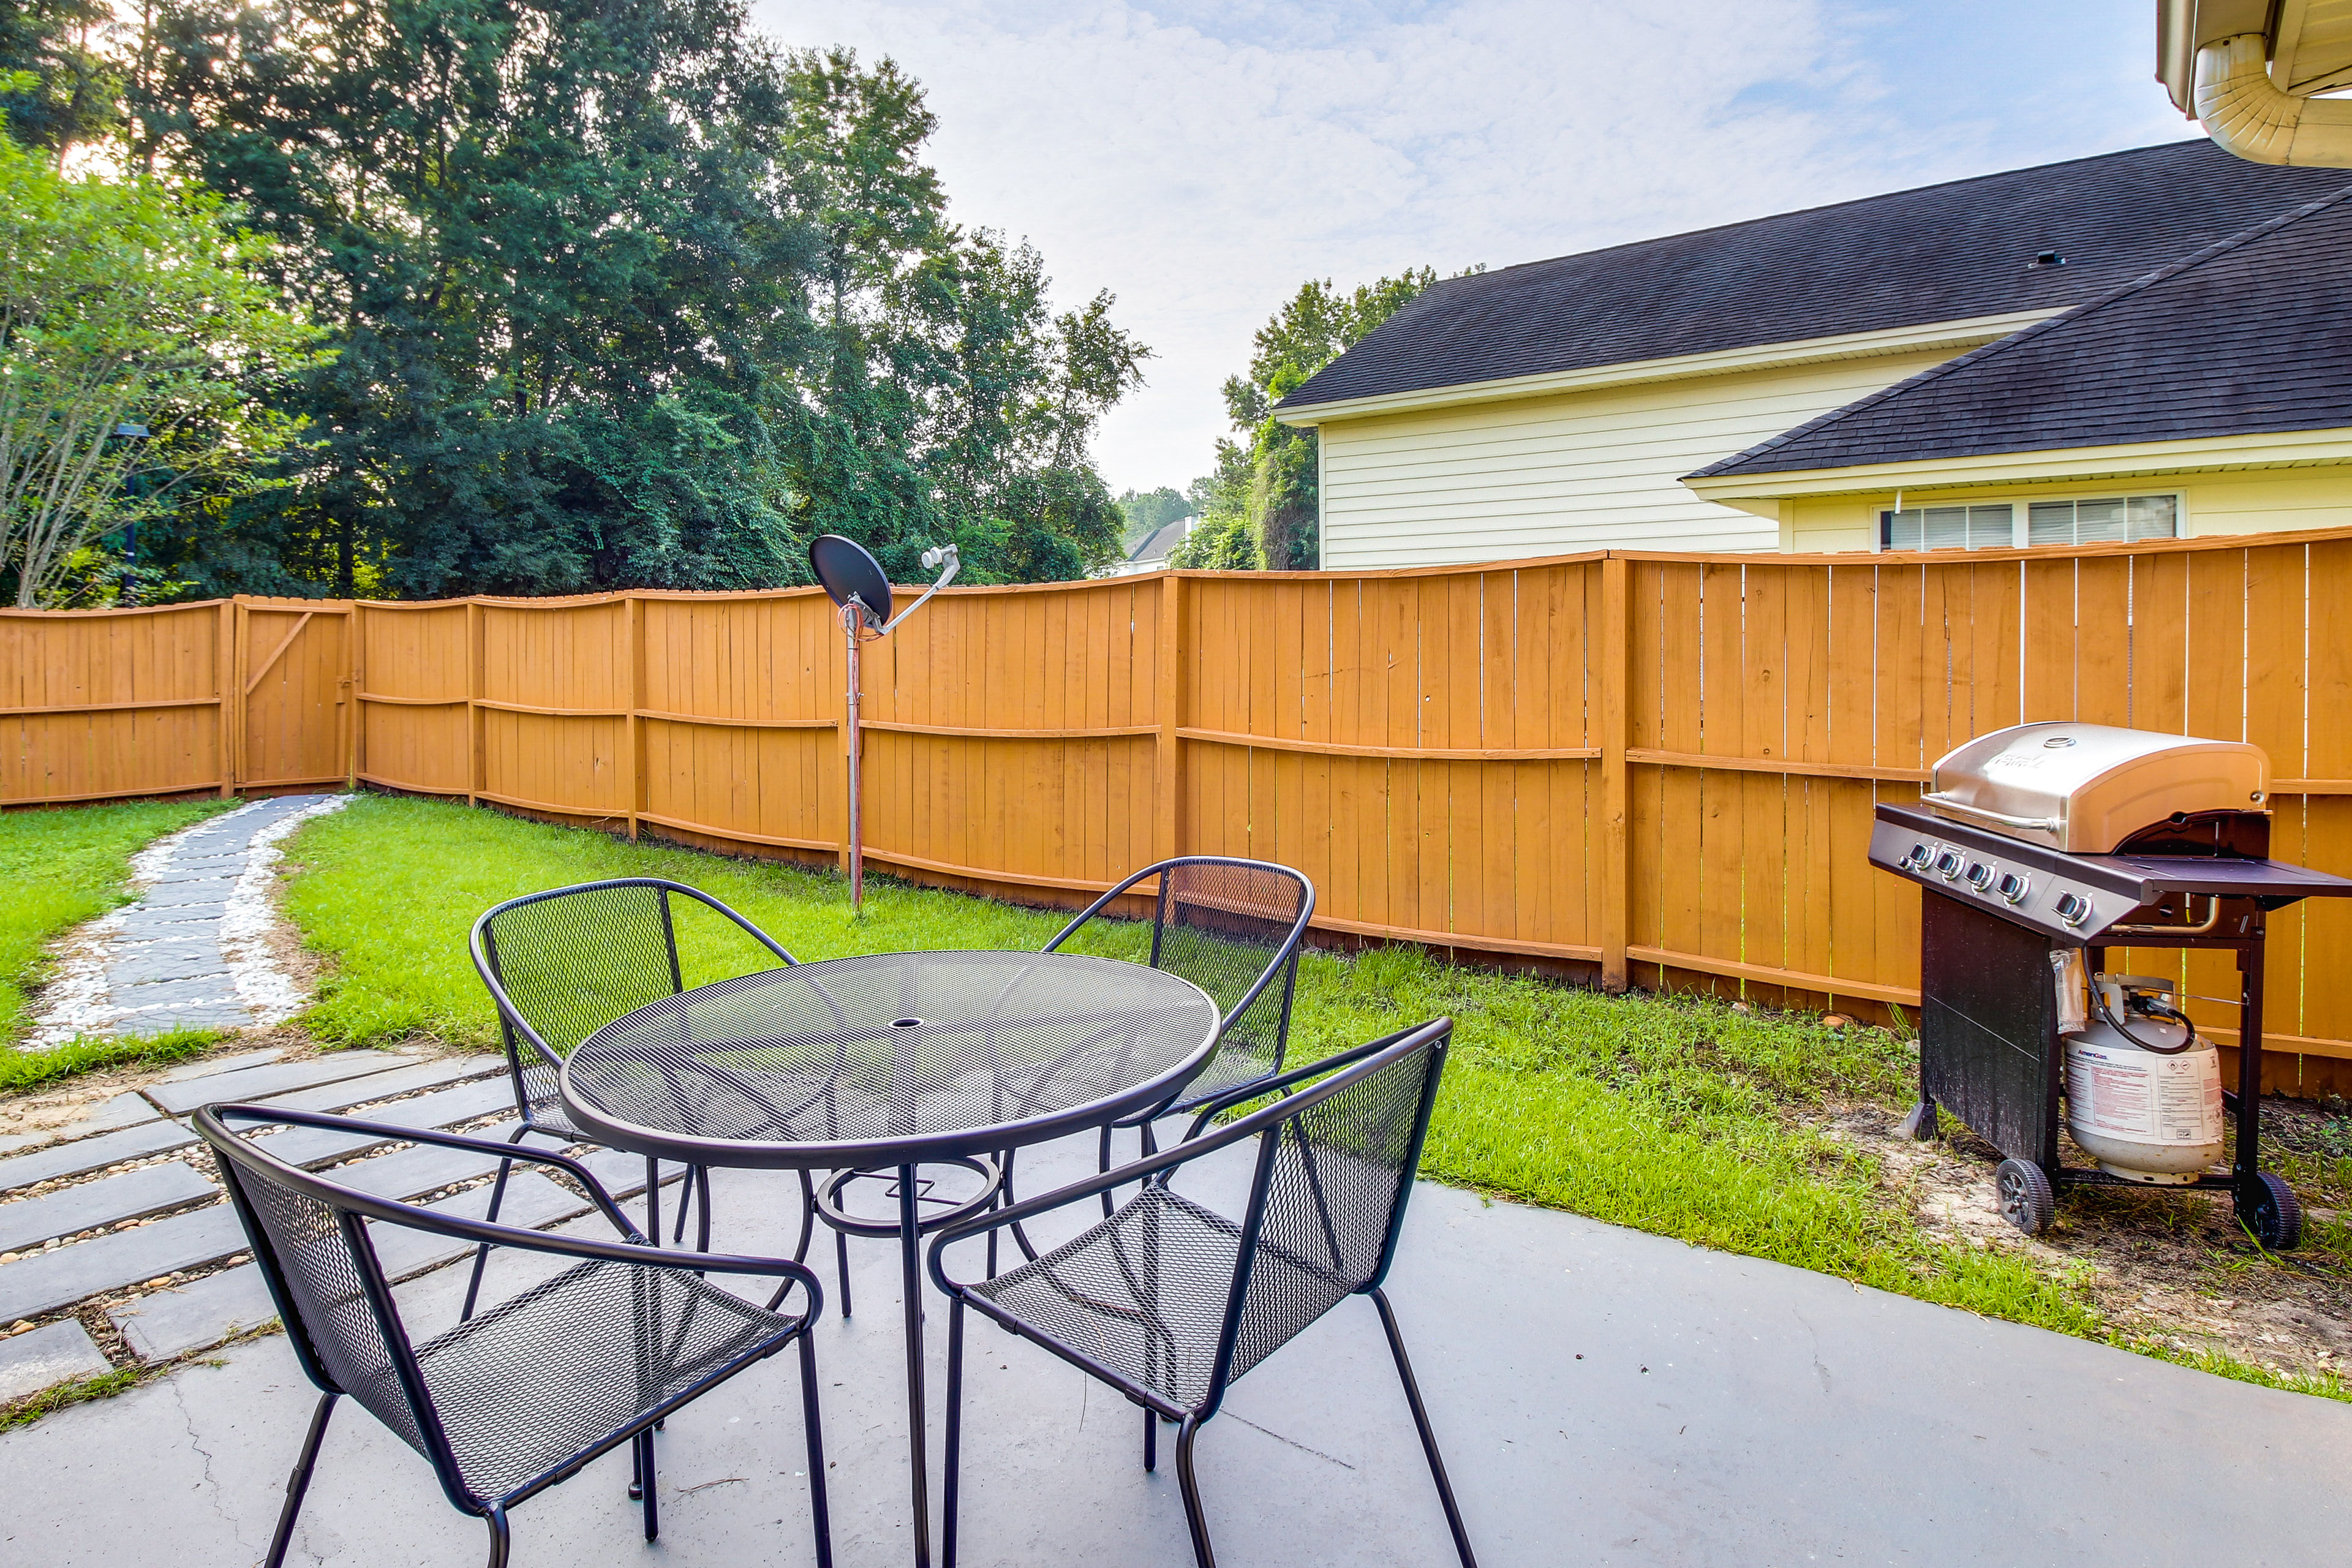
(2033, 840)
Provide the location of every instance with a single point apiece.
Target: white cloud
(1202, 160)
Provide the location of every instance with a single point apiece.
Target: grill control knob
(1948, 864)
(2012, 887)
(1918, 858)
(1980, 876)
(2072, 908)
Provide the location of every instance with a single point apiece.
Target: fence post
(353, 686)
(473, 702)
(1616, 881)
(1170, 683)
(634, 616)
(225, 682)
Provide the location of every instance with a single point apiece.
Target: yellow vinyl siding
(2256, 500)
(1577, 471)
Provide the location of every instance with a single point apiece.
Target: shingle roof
(1162, 540)
(2252, 335)
(1940, 253)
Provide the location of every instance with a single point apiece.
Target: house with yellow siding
(2080, 334)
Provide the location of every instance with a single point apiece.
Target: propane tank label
(2132, 1094)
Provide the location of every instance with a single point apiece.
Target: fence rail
(1660, 767)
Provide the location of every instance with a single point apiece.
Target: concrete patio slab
(1604, 1396)
(47, 1163)
(274, 1078)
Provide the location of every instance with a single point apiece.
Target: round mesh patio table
(890, 1060)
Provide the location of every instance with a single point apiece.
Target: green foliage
(1271, 480)
(1146, 512)
(81, 1391)
(127, 305)
(1223, 543)
(625, 297)
(56, 88)
(22, 1069)
(63, 866)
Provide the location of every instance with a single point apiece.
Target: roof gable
(1949, 252)
(2250, 335)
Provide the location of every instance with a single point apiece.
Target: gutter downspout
(2246, 112)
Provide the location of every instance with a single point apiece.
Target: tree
(625, 297)
(1221, 545)
(57, 88)
(1271, 482)
(137, 348)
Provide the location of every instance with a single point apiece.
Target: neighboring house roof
(1162, 540)
(2250, 335)
(1941, 253)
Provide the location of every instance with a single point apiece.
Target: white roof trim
(1967, 333)
(2267, 449)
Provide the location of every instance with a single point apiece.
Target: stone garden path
(194, 951)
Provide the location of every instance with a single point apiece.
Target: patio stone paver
(341, 1097)
(45, 1281)
(211, 1066)
(151, 1189)
(165, 1324)
(44, 1357)
(52, 1161)
(274, 1078)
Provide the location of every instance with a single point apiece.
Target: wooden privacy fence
(1657, 768)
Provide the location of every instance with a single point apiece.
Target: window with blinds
(2116, 521)
(1949, 528)
(2106, 519)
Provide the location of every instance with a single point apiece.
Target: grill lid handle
(2000, 818)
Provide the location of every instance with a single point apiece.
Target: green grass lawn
(1668, 1114)
(62, 867)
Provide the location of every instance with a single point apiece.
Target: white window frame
(2020, 514)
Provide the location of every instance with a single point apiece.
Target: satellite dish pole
(854, 581)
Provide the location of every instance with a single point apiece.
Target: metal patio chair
(512, 1401)
(563, 963)
(1232, 927)
(1170, 1302)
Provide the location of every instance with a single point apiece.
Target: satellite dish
(845, 570)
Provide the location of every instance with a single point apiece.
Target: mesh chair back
(567, 962)
(323, 1273)
(1219, 924)
(1333, 1178)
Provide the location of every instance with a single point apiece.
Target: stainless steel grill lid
(2085, 788)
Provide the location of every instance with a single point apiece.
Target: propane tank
(2142, 1087)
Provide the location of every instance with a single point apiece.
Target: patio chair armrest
(502, 1149)
(1084, 915)
(1242, 1094)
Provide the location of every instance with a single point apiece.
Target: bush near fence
(1644, 769)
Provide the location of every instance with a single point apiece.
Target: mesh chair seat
(1138, 1293)
(566, 1364)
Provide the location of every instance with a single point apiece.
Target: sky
(1201, 158)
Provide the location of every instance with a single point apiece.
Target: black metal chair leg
(299, 1483)
(1150, 1439)
(1102, 1162)
(498, 1517)
(841, 1266)
(636, 1471)
(1421, 1422)
(951, 1467)
(702, 1211)
(482, 1253)
(653, 1200)
(819, 1508)
(808, 1217)
(1190, 1484)
(650, 1500)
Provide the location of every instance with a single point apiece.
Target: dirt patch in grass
(2168, 1271)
